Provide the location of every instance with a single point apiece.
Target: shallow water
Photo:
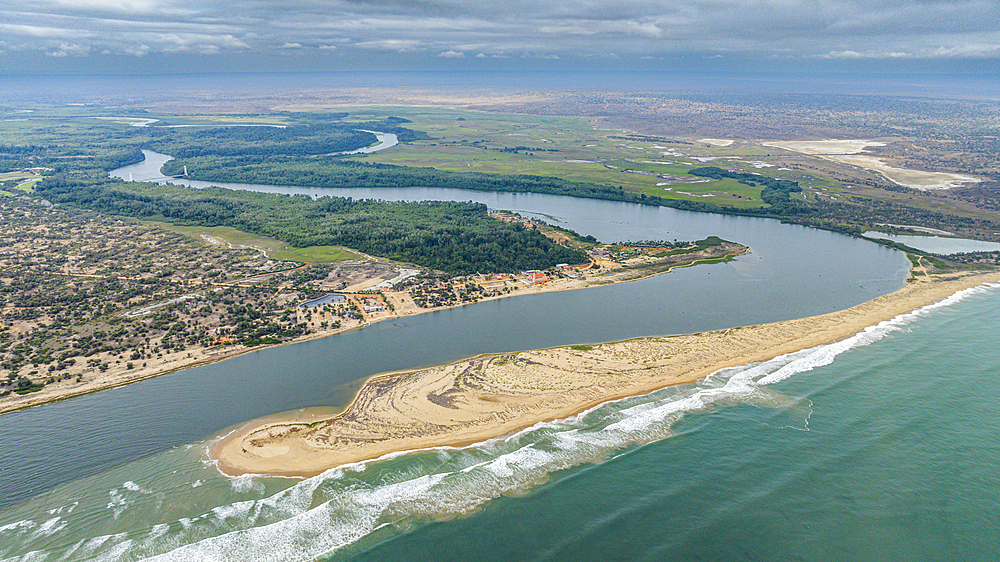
(938, 244)
(888, 453)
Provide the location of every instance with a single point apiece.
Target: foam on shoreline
(405, 412)
(344, 504)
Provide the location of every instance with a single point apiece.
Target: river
(141, 445)
(385, 140)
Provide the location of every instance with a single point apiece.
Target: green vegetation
(272, 247)
(710, 242)
(451, 237)
(299, 140)
(99, 139)
(728, 192)
(954, 137)
(337, 172)
(431, 291)
(503, 152)
(504, 359)
(84, 292)
(309, 135)
(775, 192)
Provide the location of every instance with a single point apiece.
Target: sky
(175, 36)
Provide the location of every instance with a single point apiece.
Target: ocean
(882, 446)
(879, 447)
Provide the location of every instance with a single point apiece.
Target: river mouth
(783, 432)
(791, 272)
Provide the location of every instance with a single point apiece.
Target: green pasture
(275, 249)
(570, 148)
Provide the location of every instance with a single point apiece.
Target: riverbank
(120, 374)
(491, 396)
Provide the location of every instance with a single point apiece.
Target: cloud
(398, 45)
(843, 55)
(121, 6)
(968, 50)
(69, 49)
(134, 50)
(429, 30)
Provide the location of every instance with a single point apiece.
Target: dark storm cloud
(452, 30)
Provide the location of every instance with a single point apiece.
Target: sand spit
(490, 396)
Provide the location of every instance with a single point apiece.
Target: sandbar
(491, 396)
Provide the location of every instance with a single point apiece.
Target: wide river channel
(136, 439)
(791, 272)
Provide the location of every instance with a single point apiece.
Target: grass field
(274, 249)
(15, 176)
(17, 183)
(571, 148)
(577, 150)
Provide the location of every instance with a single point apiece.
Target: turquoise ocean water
(883, 446)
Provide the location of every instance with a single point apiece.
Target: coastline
(194, 357)
(490, 396)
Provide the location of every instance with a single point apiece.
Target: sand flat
(849, 152)
(917, 179)
(821, 147)
(489, 396)
(717, 142)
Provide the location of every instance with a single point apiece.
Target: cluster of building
(369, 303)
(511, 217)
(625, 252)
(374, 303)
(501, 280)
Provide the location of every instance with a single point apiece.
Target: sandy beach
(491, 396)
